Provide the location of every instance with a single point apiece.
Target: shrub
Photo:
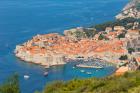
(90, 32)
(130, 50)
(124, 57)
(101, 37)
(123, 22)
(128, 83)
(11, 85)
(122, 35)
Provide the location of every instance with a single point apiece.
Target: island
(117, 42)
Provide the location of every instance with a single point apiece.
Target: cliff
(132, 9)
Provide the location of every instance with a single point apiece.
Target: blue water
(22, 19)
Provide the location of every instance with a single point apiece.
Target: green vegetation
(122, 35)
(123, 22)
(87, 32)
(123, 57)
(101, 37)
(11, 85)
(79, 34)
(90, 32)
(93, 30)
(130, 50)
(128, 83)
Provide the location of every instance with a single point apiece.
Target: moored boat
(82, 70)
(46, 73)
(87, 66)
(89, 73)
(73, 67)
(26, 76)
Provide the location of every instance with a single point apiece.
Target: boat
(73, 67)
(89, 66)
(45, 73)
(82, 70)
(88, 72)
(26, 76)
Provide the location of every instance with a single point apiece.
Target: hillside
(128, 83)
(132, 9)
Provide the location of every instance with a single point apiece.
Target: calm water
(22, 19)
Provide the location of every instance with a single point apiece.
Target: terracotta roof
(138, 59)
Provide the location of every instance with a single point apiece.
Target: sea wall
(45, 60)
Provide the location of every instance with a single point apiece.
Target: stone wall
(45, 60)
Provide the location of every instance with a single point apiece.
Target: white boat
(82, 70)
(26, 76)
(88, 72)
(45, 73)
(73, 67)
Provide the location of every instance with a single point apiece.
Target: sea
(20, 20)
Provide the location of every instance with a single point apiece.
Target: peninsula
(117, 42)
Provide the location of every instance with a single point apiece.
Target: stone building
(108, 29)
(118, 28)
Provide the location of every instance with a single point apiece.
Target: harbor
(94, 63)
(21, 20)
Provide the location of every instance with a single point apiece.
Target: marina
(94, 63)
(87, 66)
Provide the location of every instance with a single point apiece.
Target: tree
(79, 34)
(123, 57)
(101, 37)
(122, 35)
(11, 85)
(123, 22)
(90, 32)
(127, 83)
(130, 50)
